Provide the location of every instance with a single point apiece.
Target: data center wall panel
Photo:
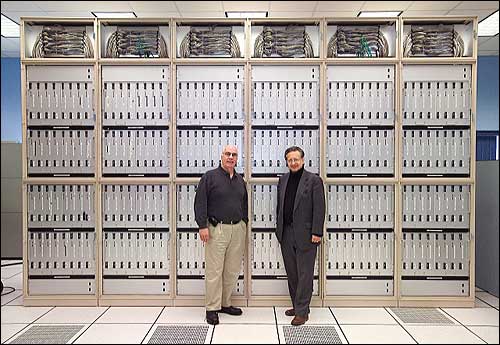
(360, 240)
(61, 239)
(60, 118)
(136, 239)
(436, 240)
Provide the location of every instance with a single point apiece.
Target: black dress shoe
(231, 311)
(212, 318)
(290, 312)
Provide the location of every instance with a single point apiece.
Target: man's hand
(204, 235)
(315, 239)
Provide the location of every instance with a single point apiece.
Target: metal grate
(179, 334)
(48, 334)
(421, 315)
(311, 335)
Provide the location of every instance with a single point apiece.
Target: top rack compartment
(431, 38)
(210, 40)
(46, 38)
(286, 40)
(134, 39)
(361, 39)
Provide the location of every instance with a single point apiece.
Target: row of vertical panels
(136, 237)
(285, 111)
(138, 127)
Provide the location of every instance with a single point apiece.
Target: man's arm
(201, 203)
(244, 205)
(318, 207)
(278, 198)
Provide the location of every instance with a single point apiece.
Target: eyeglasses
(229, 154)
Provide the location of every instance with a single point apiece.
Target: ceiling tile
(246, 5)
(481, 14)
(20, 6)
(158, 14)
(15, 16)
(199, 6)
(411, 13)
(332, 14)
(433, 5)
(491, 44)
(277, 14)
(151, 6)
(385, 5)
(75, 6)
(340, 6)
(220, 14)
(475, 5)
(81, 14)
(293, 6)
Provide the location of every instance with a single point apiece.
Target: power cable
(61, 41)
(210, 41)
(289, 41)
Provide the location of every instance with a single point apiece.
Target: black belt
(232, 222)
(214, 221)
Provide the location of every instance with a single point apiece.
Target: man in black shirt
(300, 221)
(221, 212)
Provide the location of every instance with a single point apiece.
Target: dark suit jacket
(308, 209)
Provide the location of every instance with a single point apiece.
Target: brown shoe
(299, 320)
(290, 312)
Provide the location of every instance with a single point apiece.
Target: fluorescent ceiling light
(114, 14)
(378, 14)
(239, 14)
(9, 27)
(487, 27)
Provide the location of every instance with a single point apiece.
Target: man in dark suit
(300, 220)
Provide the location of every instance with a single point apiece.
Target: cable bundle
(360, 41)
(136, 42)
(210, 41)
(283, 41)
(57, 41)
(433, 40)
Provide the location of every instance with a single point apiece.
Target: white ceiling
(276, 9)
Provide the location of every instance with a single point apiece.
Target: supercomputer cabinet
(135, 166)
(119, 127)
(437, 181)
(209, 84)
(59, 125)
(360, 139)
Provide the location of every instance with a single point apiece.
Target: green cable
(364, 49)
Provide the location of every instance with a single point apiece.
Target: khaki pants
(223, 255)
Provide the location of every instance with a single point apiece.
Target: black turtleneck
(290, 192)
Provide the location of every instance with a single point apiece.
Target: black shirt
(290, 192)
(220, 196)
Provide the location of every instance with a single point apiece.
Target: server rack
(348, 109)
